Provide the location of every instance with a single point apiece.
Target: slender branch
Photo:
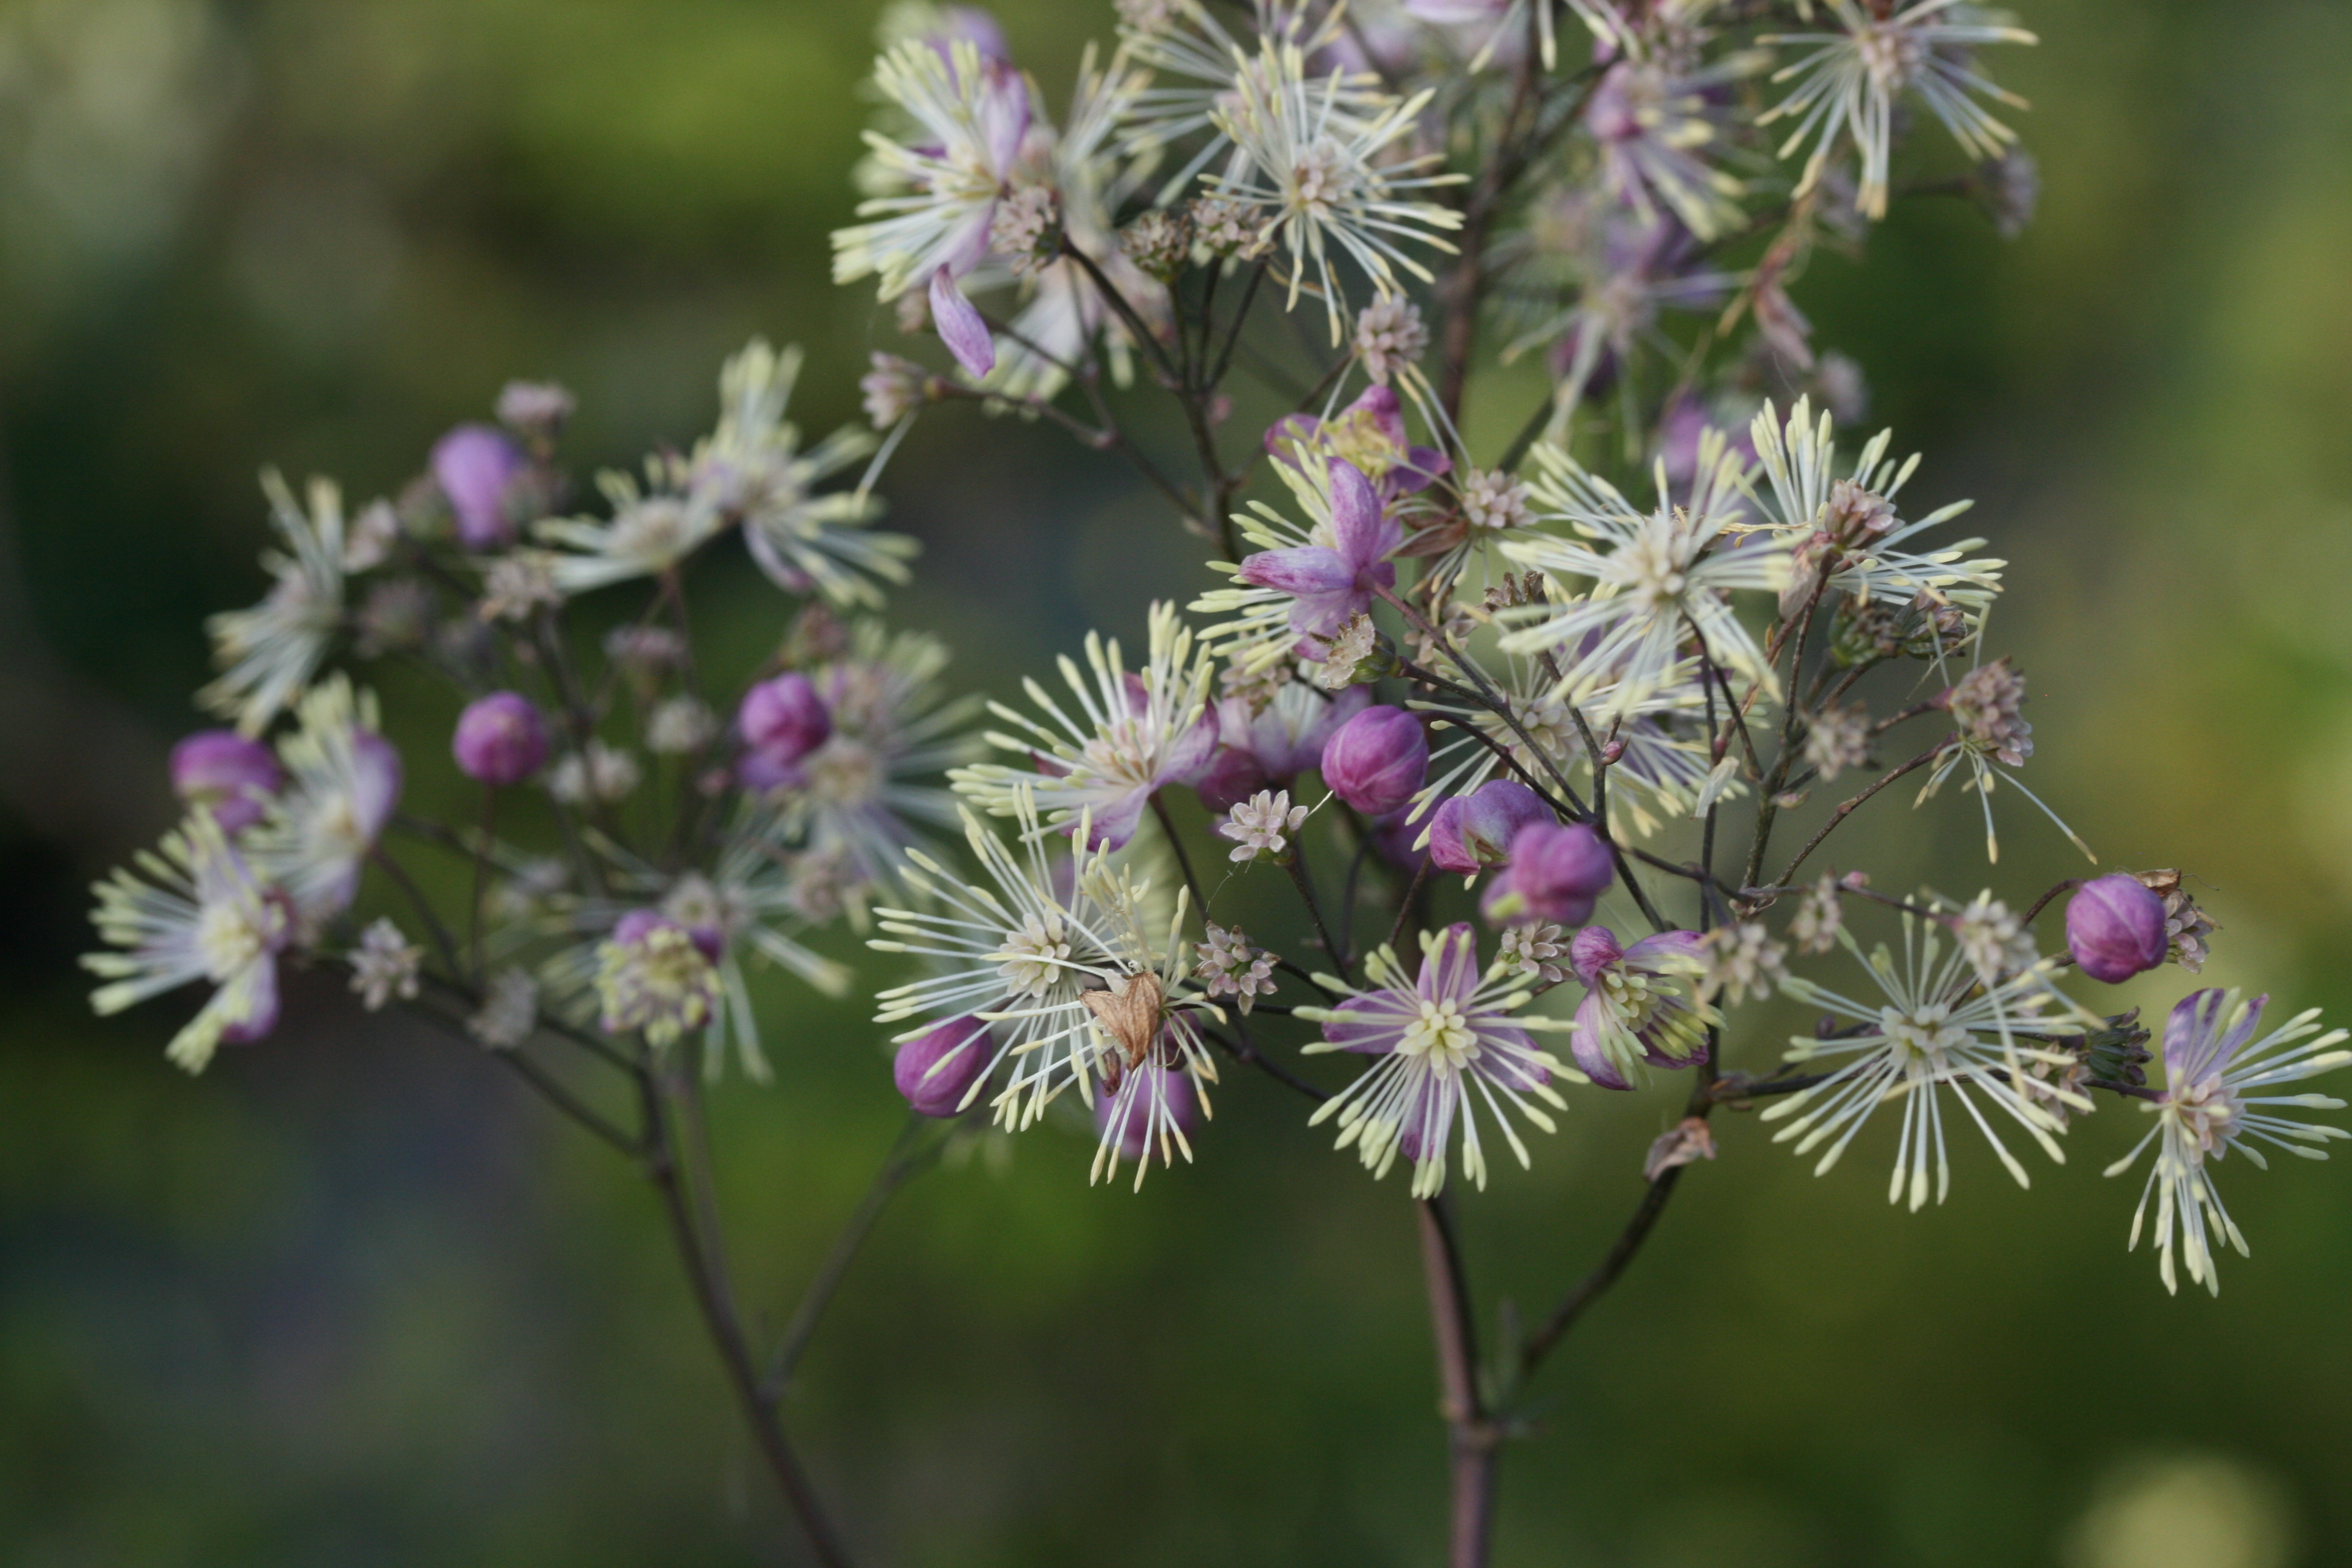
(1296, 864)
(1247, 1052)
(1470, 1434)
(1604, 1274)
(2044, 901)
(1176, 845)
(904, 1162)
(1849, 807)
(720, 1316)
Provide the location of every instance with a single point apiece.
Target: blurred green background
(350, 1300)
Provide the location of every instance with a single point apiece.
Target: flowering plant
(1590, 670)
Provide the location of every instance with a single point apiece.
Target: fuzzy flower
(678, 725)
(229, 775)
(652, 976)
(1443, 1042)
(1653, 129)
(1638, 1007)
(1390, 338)
(1741, 962)
(891, 390)
(1258, 826)
(269, 653)
(1230, 966)
(1083, 990)
(1821, 915)
(345, 780)
(1837, 738)
(385, 965)
(648, 534)
(753, 470)
(970, 115)
(1991, 739)
(519, 584)
(1941, 1029)
(1327, 178)
(1330, 584)
(1848, 79)
(1369, 435)
(509, 1011)
(1138, 733)
(1352, 657)
(2211, 1061)
(601, 773)
(1494, 502)
(197, 912)
(1228, 228)
(1847, 525)
(1655, 576)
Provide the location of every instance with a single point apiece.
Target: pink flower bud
(1492, 815)
(476, 466)
(1555, 875)
(1446, 847)
(784, 718)
(500, 739)
(2114, 928)
(1376, 761)
(225, 771)
(936, 1069)
(961, 327)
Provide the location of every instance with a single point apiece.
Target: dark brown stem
(1471, 1435)
(1604, 1274)
(716, 1300)
(1297, 866)
(1849, 807)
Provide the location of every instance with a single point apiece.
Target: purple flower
(500, 739)
(1433, 1035)
(1637, 1005)
(1270, 747)
(475, 467)
(785, 720)
(227, 773)
(1555, 875)
(1397, 835)
(2114, 928)
(1333, 582)
(1376, 761)
(1445, 847)
(936, 1070)
(1369, 435)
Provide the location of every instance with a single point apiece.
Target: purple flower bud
(233, 775)
(1376, 761)
(500, 739)
(937, 1068)
(961, 328)
(784, 718)
(1555, 875)
(475, 466)
(1446, 847)
(2114, 928)
(1492, 815)
(1135, 1141)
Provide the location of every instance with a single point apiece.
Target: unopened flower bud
(1492, 814)
(500, 739)
(476, 466)
(2114, 928)
(1026, 229)
(1557, 873)
(227, 773)
(936, 1069)
(784, 718)
(1160, 243)
(1446, 847)
(537, 409)
(1376, 762)
(892, 389)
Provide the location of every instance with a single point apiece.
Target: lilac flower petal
(960, 326)
(1356, 521)
(1372, 1024)
(1302, 570)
